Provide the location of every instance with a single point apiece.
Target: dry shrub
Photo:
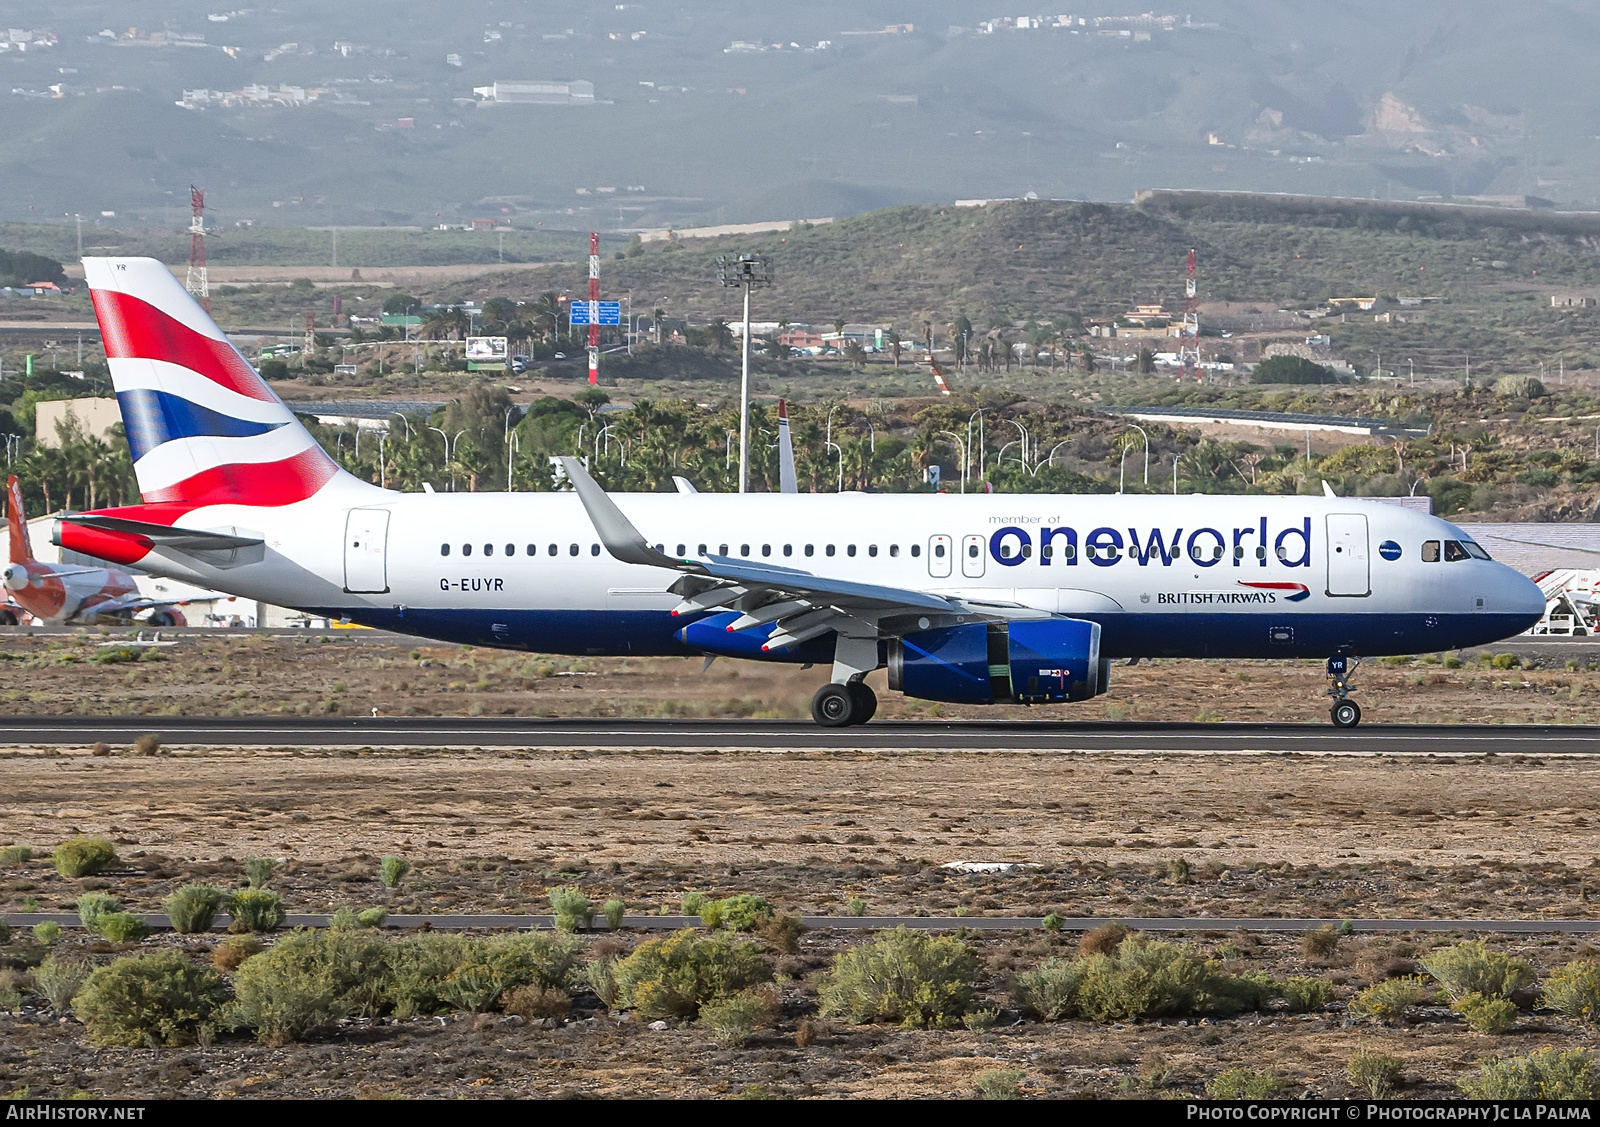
(84, 856)
(147, 744)
(1487, 1015)
(1391, 1000)
(907, 977)
(1549, 1074)
(535, 1001)
(782, 933)
(1471, 968)
(674, 976)
(1574, 990)
(1103, 940)
(100, 750)
(233, 951)
(1376, 1074)
(1320, 943)
(734, 1019)
(158, 999)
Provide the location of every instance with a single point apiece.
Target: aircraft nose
(1523, 596)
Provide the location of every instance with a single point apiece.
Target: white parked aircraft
(974, 599)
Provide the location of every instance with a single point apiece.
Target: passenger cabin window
(511, 549)
(830, 549)
(766, 549)
(788, 549)
(811, 549)
(573, 550)
(872, 550)
(594, 549)
(916, 550)
(466, 549)
(488, 549)
(894, 550)
(444, 549)
(1430, 551)
(1261, 551)
(533, 549)
(850, 549)
(681, 548)
(554, 550)
(722, 549)
(744, 549)
(702, 549)
(1454, 551)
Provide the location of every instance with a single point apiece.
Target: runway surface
(773, 735)
(922, 923)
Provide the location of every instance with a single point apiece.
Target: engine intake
(1028, 662)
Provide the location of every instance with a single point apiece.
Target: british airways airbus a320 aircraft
(969, 599)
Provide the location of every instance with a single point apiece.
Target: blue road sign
(610, 313)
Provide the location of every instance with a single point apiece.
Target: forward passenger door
(1349, 571)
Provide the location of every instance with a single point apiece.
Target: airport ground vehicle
(976, 599)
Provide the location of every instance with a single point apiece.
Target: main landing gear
(1345, 712)
(839, 706)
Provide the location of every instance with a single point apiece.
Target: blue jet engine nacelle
(1027, 662)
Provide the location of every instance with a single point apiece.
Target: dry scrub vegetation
(353, 672)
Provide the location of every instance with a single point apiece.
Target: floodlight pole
(744, 401)
(747, 271)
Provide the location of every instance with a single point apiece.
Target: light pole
(747, 271)
(827, 443)
(966, 455)
(1146, 438)
(1022, 430)
(978, 414)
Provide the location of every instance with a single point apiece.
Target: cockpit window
(1430, 551)
(1453, 551)
(1474, 550)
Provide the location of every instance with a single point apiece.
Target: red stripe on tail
(252, 483)
(135, 329)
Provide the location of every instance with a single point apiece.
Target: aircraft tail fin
(17, 522)
(203, 427)
(787, 482)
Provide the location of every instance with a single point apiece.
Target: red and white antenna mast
(1189, 336)
(196, 283)
(594, 307)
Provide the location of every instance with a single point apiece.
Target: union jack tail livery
(203, 427)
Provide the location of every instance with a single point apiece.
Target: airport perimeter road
(770, 735)
(918, 923)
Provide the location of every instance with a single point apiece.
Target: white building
(575, 93)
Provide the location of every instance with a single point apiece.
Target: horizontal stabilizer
(178, 539)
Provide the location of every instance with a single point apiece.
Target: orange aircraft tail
(17, 521)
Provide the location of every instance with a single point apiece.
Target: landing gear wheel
(8, 618)
(1345, 714)
(163, 618)
(866, 702)
(834, 706)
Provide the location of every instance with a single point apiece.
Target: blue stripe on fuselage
(653, 633)
(152, 417)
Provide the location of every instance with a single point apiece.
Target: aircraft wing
(801, 604)
(130, 604)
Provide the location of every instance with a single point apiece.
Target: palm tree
(656, 315)
(894, 346)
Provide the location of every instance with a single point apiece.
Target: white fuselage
(527, 570)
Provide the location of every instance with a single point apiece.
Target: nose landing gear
(1345, 712)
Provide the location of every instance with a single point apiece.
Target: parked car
(519, 363)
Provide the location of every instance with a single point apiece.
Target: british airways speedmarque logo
(1300, 590)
